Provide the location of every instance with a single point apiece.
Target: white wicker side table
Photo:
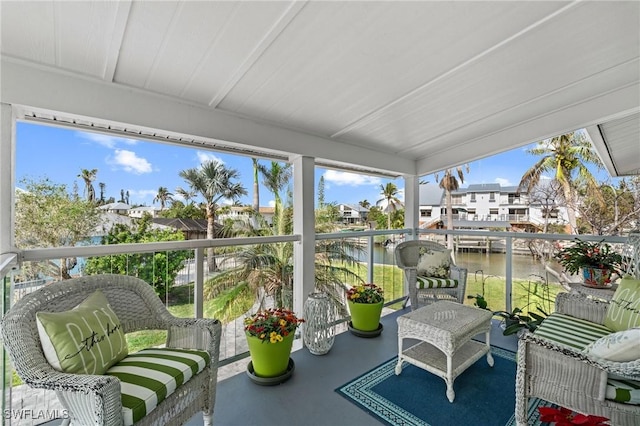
(445, 330)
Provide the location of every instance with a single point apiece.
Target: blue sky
(141, 167)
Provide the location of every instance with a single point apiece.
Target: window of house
(492, 196)
(473, 197)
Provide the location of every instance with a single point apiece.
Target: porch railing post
(370, 246)
(198, 290)
(508, 272)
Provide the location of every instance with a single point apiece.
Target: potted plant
(517, 320)
(596, 260)
(365, 305)
(270, 336)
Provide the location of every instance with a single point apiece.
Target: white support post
(303, 225)
(412, 203)
(7, 167)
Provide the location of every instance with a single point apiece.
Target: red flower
(565, 417)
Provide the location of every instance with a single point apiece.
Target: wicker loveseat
(423, 288)
(92, 399)
(550, 367)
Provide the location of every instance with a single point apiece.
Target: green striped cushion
(149, 376)
(433, 282)
(622, 390)
(570, 331)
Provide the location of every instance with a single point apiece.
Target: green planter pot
(365, 316)
(270, 359)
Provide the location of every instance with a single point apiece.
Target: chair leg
(207, 418)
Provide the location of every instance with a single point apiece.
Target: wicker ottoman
(445, 330)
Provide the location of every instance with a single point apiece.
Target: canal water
(523, 266)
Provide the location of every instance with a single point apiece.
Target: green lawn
(526, 295)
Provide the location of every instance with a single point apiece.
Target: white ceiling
(401, 87)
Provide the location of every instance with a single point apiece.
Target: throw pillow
(622, 346)
(85, 340)
(623, 312)
(434, 263)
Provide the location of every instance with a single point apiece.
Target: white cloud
(142, 195)
(203, 157)
(129, 162)
(106, 140)
(503, 181)
(351, 179)
(272, 203)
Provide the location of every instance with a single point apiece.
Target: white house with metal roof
(488, 205)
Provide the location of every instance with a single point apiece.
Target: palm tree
(450, 183)
(389, 201)
(214, 182)
(567, 156)
(187, 194)
(364, 204)
(163, 196)
(89, 176)
(256, 189)
(275, 178)
(102, 186)
(266, 270)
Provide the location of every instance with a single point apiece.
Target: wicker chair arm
(95, 398)
(553, 372)
(580, 306)
(202, 334)
(630, 370)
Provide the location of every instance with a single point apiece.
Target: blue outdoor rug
(484, 395)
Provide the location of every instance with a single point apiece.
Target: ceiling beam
(598, 109)
(43, 88)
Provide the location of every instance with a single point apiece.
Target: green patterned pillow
(85, 340)
(434, 263)
(623, 346)
(623, 312)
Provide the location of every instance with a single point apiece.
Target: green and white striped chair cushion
(432, 282)
(622, 390)
(149, 376)
(569, 331)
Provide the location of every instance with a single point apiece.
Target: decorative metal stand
(318, 329)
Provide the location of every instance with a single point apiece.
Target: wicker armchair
(408, 257)
(95, 399)
(568, 377)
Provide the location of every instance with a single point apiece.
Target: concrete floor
(309, 397)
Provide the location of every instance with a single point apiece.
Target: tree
(214, 182)
(276, 178)
(158, 269)
(89, 176)
(102, 186)
(180, 211)
(321, 192)
(567, 157)
(163, 197)
(615, 215)
(48, 216)
(187, 195)
(364, 204)
(256, 186)
(389, 201)
(450, 183)
(266, 270)
(122, 195)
